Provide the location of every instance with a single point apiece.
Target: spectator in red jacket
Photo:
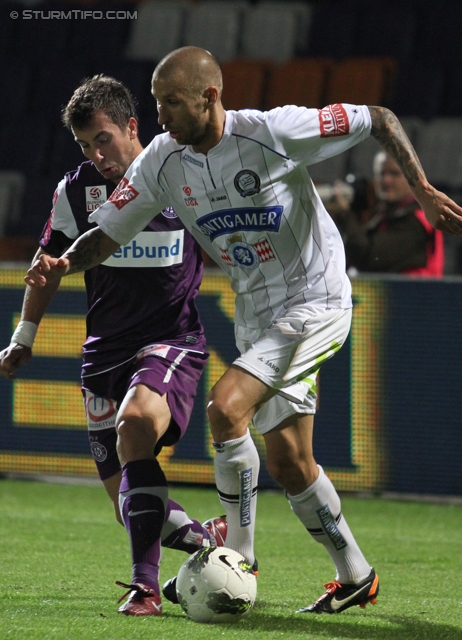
(397, 237)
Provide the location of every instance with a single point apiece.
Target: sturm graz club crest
(247, 183)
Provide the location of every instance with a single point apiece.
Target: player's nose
(97, 156)
(163, 116)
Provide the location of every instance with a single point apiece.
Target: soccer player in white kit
(239, 182)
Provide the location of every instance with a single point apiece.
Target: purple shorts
(165, 369)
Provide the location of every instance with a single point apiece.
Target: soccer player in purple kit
(145, 346)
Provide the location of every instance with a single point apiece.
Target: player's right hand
(13, 357)
(45, 269)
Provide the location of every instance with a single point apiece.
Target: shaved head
(187, 86)
(192, 68)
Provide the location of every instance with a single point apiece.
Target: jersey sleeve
(131, 205)
(61, 228)
(309, 136)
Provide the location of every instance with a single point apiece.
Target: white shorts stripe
(174, 365)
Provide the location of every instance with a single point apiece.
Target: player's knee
(136, 438)
(222, 413)
(132, 423)
(126, 428)
(228, 415)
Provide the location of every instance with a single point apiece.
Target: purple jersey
(145, 292)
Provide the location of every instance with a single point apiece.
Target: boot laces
(331, 588)
(140, 591)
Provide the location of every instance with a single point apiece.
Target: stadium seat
(303, 12)
(269, 33)
(361, 81)
(333, 29)
(439, 146)
(157, 31)
(215, 26)
(300, 81)
(18, 248)
(244, 83)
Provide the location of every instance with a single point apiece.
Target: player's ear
(211, 96)
(132, 127)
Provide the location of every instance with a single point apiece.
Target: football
(216, 584)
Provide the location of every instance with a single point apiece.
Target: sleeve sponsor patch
(123, 194)
(333, 121)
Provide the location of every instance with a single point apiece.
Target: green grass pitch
(61, 552)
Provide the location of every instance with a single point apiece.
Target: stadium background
(403, 54)
(390, 400)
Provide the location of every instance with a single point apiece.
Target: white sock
(318, 509)
(237, 465)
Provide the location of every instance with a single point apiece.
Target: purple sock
(181, 532)
(142, 498)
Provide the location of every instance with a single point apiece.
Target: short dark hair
(95, 94)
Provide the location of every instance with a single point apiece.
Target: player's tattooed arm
(442, 212)
(387, 129)
(92, 248)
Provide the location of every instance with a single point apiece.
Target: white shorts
(288, 355)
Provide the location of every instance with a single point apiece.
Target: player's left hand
(12, 358)
(442, 212)
(45, 269)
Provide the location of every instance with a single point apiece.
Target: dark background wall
(390, 400)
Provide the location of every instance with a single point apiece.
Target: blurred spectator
(397, 237)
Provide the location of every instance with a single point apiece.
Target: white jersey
(251, 204)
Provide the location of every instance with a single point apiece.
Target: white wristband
(25, 333)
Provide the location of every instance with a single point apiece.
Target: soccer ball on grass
(216, 584)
